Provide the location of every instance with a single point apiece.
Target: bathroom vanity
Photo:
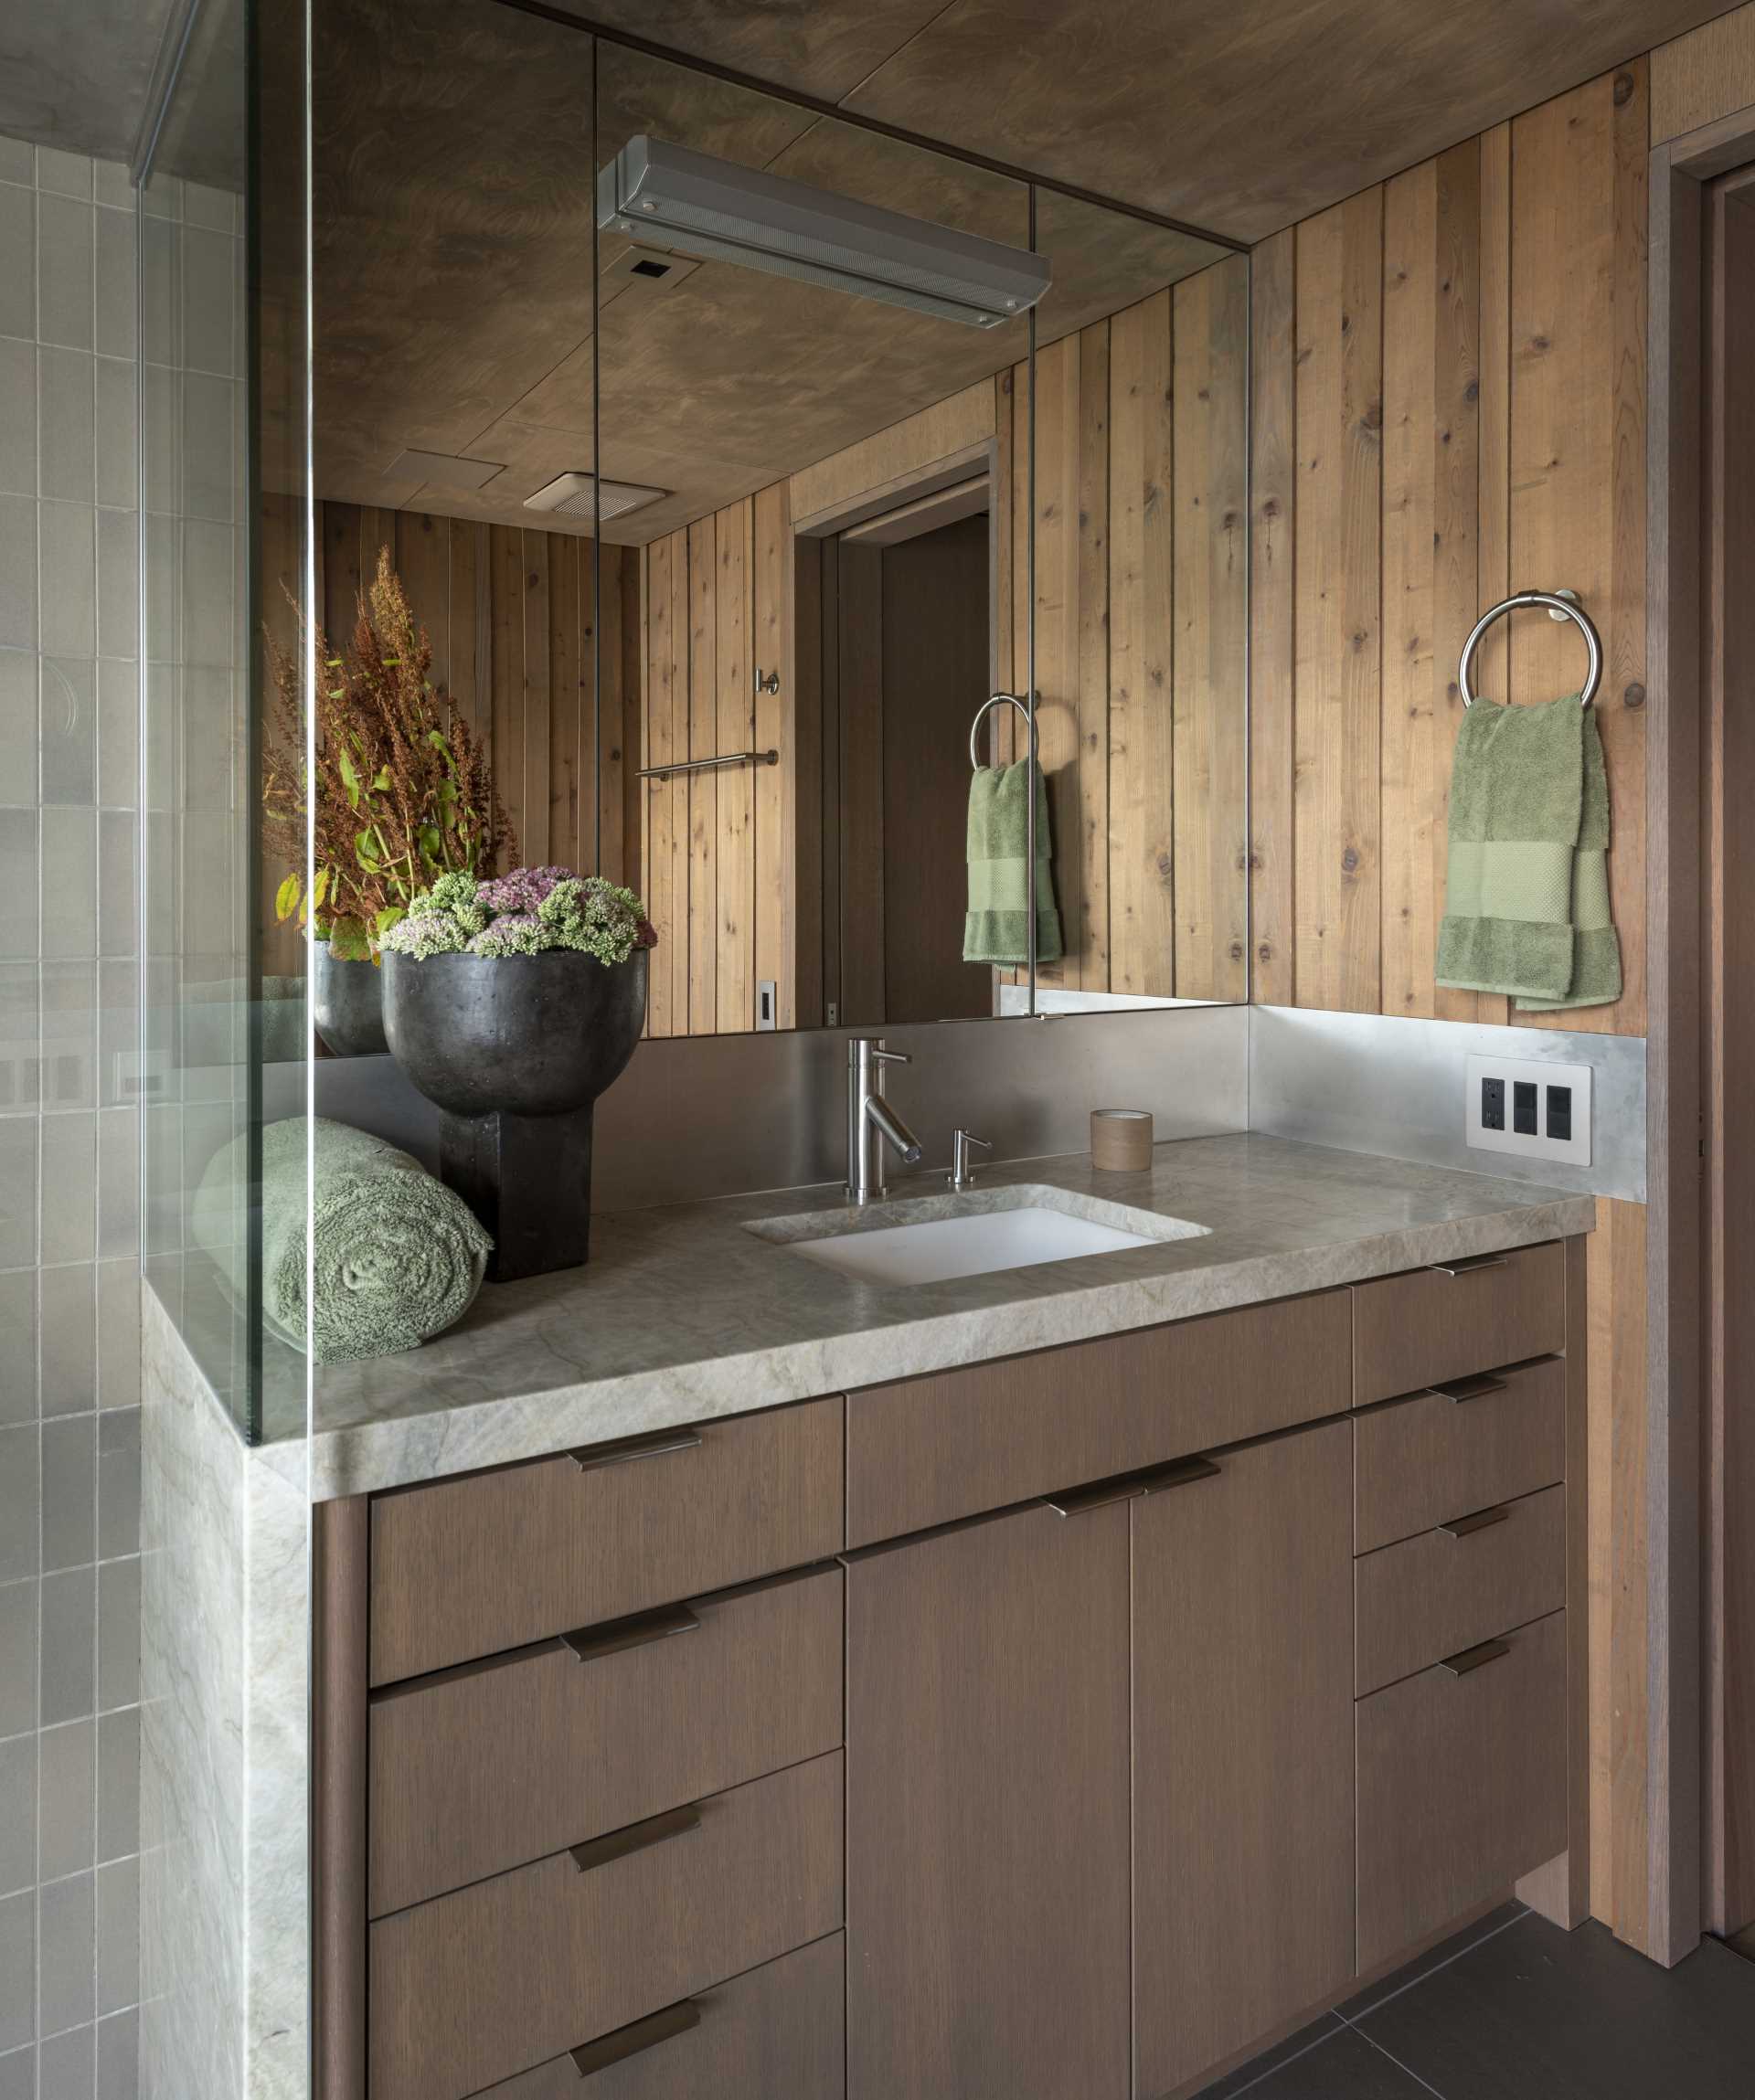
(1168, 1640)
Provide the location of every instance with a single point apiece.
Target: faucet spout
(879, 1112)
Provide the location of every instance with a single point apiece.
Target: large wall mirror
(841, 506)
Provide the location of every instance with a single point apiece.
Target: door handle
(638, 2036)
(1468, 1658)
(1471, 1264)
(639, 1630)
(636, 1838)
(1476, 1388)
(1477, 1521)
(592, 1458)
(1125, 1487)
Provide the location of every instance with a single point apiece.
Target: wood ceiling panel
(1243, 115)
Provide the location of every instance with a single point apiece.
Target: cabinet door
(1242, 1749)
(987, 1811)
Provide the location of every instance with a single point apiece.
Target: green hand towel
(1526, 898)
(400, 1256)
(997, 929)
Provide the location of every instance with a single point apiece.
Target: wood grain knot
(1634, 697)
(1265, 952)
(1350, 861)
(1623, 90)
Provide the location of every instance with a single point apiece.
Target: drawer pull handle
(593, 1457)
(639, 1630)
(1478, 1521)
(1125, 1487)
(1472, 1265)
(1476, 1388)
(636, 1838)
(1470, 1659)
(636, 2037)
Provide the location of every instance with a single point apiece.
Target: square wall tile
(118, 584)
(18, 1608)
(20, 1503)
(17, 262)
(115, 433)
(18, 161)
(68, 175)
(67, 409)
(116, 273)
(69, 579)
(119, 1334)
(17, 416)
(69, 1228)
(70, 1492)
(68, 2065)
(18, 1193)
(17, 1345)
(70, 1030)
(70, 883)
(117, 933)
(69, 1646)
(17, 1970)
(112, 185)
(118, 1183)
(18, 2073)
(68, 1317)
(118, 736)
(67, 1980)
(19, 752)
(17, 566)
(119, 1634)
(69, 730)
(209, 260)
(67, 1798)
(117, 1935)
(118, 1482)
(18, 1814)
(119, 2057)
(119, 1783)
(66, 272)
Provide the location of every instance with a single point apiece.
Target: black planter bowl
(514, 1051)
(347, 1005)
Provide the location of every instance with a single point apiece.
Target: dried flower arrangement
(528, 912)
(403, 792)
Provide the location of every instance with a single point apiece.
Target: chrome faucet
(962, 1168)
(871, 1120)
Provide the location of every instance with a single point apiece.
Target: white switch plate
(1543, 1073)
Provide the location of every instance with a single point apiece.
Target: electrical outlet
(767, 1005)
(1527, 1106)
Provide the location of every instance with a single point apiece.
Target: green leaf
(348, 941)
(349, 778)
(286, 898)
(367, 859)
(381, 780)
(320, 889)
(431, 842)
(392, 915)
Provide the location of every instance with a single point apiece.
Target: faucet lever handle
(891, 1057)
(969, 1137)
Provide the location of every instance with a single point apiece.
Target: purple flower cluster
(521, 891)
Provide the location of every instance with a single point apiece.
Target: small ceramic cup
(1120, 1139)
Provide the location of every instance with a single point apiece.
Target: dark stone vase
(347, 1005)
(514, 1051)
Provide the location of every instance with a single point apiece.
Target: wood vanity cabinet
(1061, 1728)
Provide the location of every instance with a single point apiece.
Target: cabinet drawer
(478, 1769)
(467, 1567)
(958, 1442)
(1445, 1590)
(1432, 1324)
(1462, 1785)
(501, 1977)
(1427, 1459)
(778, 2033)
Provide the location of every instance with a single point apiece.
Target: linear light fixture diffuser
(677, 200)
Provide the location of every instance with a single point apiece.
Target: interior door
(987, 1811)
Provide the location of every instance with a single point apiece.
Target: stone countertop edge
(410, 1447)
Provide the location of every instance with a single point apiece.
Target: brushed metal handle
(1477, 1521)
(1471, 1264)
(622, 1450)
(1125, 1487)
(639, 1630)
(636, 1838)
(1476, 1388)
(1468, 1658)
(636, 2038)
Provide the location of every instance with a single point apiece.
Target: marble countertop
(684, 1314)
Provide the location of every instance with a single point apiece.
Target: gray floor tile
(1534, 2013)
(1344, 2067)
(1434, 1958)
(1258, 2067)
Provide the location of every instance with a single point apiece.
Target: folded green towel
(1527, 897)
(399, 1257)
(997, 929)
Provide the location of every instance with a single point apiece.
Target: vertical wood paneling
(534, 700)
(602, 614)
(1493, 661)
(1091, 771)
(1210, 343)
(570, 761)
(1274, 540)
(1337, 677)
(735, 731)
(470, 629)
(701, 789)
(1057, 637)
(663, 894)
(775, 875)
(1456, 495)
(1409, 501)
(505, 671)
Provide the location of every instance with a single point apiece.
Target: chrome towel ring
(1560, 606)
(998, 700)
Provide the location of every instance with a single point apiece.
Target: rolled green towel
(997, 928)
(1527, 897)
(399, 1256)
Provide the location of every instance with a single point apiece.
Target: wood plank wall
(1141, 619)
(509, 614)
(1449, 379)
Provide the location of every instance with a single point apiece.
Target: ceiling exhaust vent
(582, 496)
(673, 198)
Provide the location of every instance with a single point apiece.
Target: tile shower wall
(70, 1156)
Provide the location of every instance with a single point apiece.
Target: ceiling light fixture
(583, 496)
(674, 199)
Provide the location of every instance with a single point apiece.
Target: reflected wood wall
(509, 614)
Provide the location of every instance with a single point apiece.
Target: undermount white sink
(1012, 1229)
